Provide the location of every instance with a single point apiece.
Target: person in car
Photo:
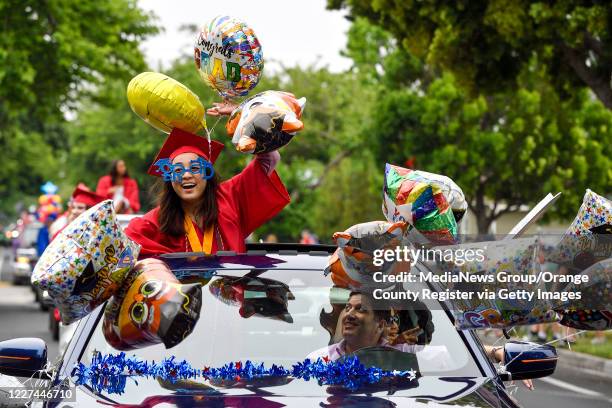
(393, 333)
(198, 213)
(363, 326)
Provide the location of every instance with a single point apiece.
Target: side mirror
(526, 360)
(22, 357)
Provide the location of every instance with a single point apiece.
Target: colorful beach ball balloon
(228, 56)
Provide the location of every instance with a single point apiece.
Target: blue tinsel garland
(109, 372)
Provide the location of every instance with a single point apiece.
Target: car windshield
(278, 316)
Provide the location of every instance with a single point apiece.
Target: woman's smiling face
(192, 187)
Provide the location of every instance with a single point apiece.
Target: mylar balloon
(254, 296)
(165, 103)
(49, 199)
(152, 307)
(587, 319)
(593, 310)
(265, 122)
(517, 257)
(228, 56)
(49, 188)
(588, 240)
(423, 200)
(86, 263)
(49, 205)
(352, 265)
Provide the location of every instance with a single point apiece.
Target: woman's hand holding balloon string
(221, 108)
(267, 160)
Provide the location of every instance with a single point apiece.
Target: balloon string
(215, 125)
(209, 132)
(502, 337)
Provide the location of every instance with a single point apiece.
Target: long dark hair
(171, 215)
(113, 171)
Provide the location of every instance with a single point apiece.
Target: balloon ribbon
(197, 246)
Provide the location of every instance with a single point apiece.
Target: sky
(292, 31)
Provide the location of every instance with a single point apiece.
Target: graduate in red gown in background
(196, 212)
(119, 187)
(81, 200)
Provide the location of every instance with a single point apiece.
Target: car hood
(431, 391)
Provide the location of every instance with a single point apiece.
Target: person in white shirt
(362, 326)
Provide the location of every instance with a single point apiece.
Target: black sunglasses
(394, 319)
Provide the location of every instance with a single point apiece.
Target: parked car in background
(26, 255)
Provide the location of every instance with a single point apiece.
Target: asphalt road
(21, 317)
(567, 388)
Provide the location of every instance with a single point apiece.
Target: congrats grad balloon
(228, 56)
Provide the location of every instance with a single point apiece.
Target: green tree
(337, 118)
(504, 149)
(51, 55)
(351, 194)
(488, 44)
(103, 133)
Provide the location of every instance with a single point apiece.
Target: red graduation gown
(130, 191)
(245, 202)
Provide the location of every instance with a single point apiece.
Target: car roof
(258, 256)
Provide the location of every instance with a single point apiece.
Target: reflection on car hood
(447, 391)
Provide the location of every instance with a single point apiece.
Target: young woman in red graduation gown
(119, 179)
(196, 212)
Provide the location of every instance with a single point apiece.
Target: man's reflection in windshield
(362, 326)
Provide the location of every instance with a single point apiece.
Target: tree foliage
(504, 148)
(487, 44)
(52, 53)
(507, 142)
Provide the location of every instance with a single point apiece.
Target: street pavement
(567, 388)
(20, 316)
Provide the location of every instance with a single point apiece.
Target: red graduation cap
(179, 142)
(83, 195)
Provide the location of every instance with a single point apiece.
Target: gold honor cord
(197, 246)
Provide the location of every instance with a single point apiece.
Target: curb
(597, 366)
